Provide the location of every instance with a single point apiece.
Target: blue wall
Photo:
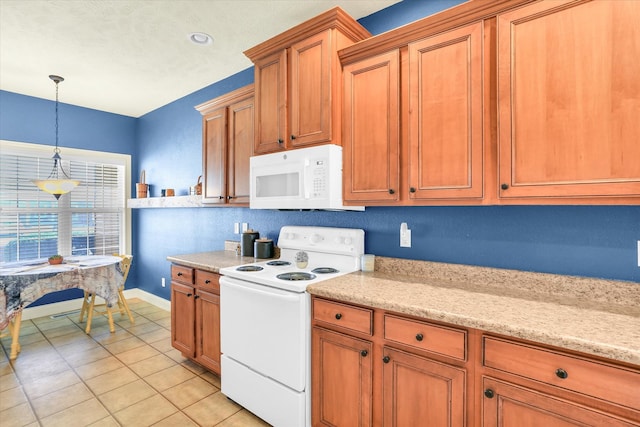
(594, 241)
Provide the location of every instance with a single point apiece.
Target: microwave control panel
(319, 177)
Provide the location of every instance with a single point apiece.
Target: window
(90, 220)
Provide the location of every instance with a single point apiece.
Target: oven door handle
(258, 289)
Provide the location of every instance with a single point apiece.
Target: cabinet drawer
(182, 274)
(208, 281)
(615, 384)
(345, 316)
(437, 339)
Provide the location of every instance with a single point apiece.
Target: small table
(23, 282)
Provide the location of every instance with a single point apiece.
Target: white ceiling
(132, 56)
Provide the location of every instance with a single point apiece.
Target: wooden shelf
(167, 202)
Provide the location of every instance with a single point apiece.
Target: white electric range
(265, 321)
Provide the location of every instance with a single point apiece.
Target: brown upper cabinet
(298, 84)
(503, 102)
(569, 100)
(227, 143)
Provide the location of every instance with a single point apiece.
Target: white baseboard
(76, 304)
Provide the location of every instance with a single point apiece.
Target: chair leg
(112, 328)
(14, 328)
(90, 313)
(85, 305)
(123, 301)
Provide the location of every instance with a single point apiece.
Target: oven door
(267, 330)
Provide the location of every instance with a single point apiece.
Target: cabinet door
(341, 380)
(506, 404)
(240, 147)
(371, 129)
(208, 330)
(271, 103)
(214, 154)
(445, 115)
(183, 318)
(310, 97)
(568, 99)
(419, 391)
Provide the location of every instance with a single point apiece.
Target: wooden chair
(89, 306)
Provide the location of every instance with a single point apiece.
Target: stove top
(307, 255)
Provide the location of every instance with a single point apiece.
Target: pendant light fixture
(58, 182)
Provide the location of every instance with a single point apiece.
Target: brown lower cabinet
(371, 367)
(195, 315)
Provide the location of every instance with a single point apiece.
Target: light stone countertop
(593, 316)
(211, 261)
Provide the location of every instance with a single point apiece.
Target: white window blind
(87, 221)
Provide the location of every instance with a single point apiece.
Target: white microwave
(306, 178)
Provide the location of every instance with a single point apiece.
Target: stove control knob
(316, 238)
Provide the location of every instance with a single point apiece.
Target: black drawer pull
(392, 191)
(179, 274)
(189, 295)
(489, 393)
(419, 337)
(196, 297)
(338, 316)
(206, 282)
(561, 373)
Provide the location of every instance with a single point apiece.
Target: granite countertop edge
(565, 320)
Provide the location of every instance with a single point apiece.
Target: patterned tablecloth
(23, 282)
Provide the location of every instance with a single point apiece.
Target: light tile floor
(133, 377)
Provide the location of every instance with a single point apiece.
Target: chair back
(125, 265)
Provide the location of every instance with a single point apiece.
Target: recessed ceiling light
(200, 38)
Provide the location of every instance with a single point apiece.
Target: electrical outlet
(163, 283)
(405, 236)
(236, 228)
(245, 227)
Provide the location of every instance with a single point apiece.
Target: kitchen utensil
(142, 188)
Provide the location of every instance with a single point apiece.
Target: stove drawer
(344, 316)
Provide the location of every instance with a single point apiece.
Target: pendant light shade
(58, 182)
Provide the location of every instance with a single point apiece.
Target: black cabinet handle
(386, 359)
(179, 274)
(419, 337)
(196, 297)
(561, 373)
(412, 190)
(292, 137)
(505, 186)
(229, 197)
(364, 353)
(206, 282)
(489, 393)
(280, 141)
(220, 197)
(189, 295)
(338, 316)
(392, 191)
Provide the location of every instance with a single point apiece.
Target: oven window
(283, 184)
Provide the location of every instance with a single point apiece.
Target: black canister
(246, 244)
(263, 248)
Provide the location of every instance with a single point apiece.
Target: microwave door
(275, 186)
